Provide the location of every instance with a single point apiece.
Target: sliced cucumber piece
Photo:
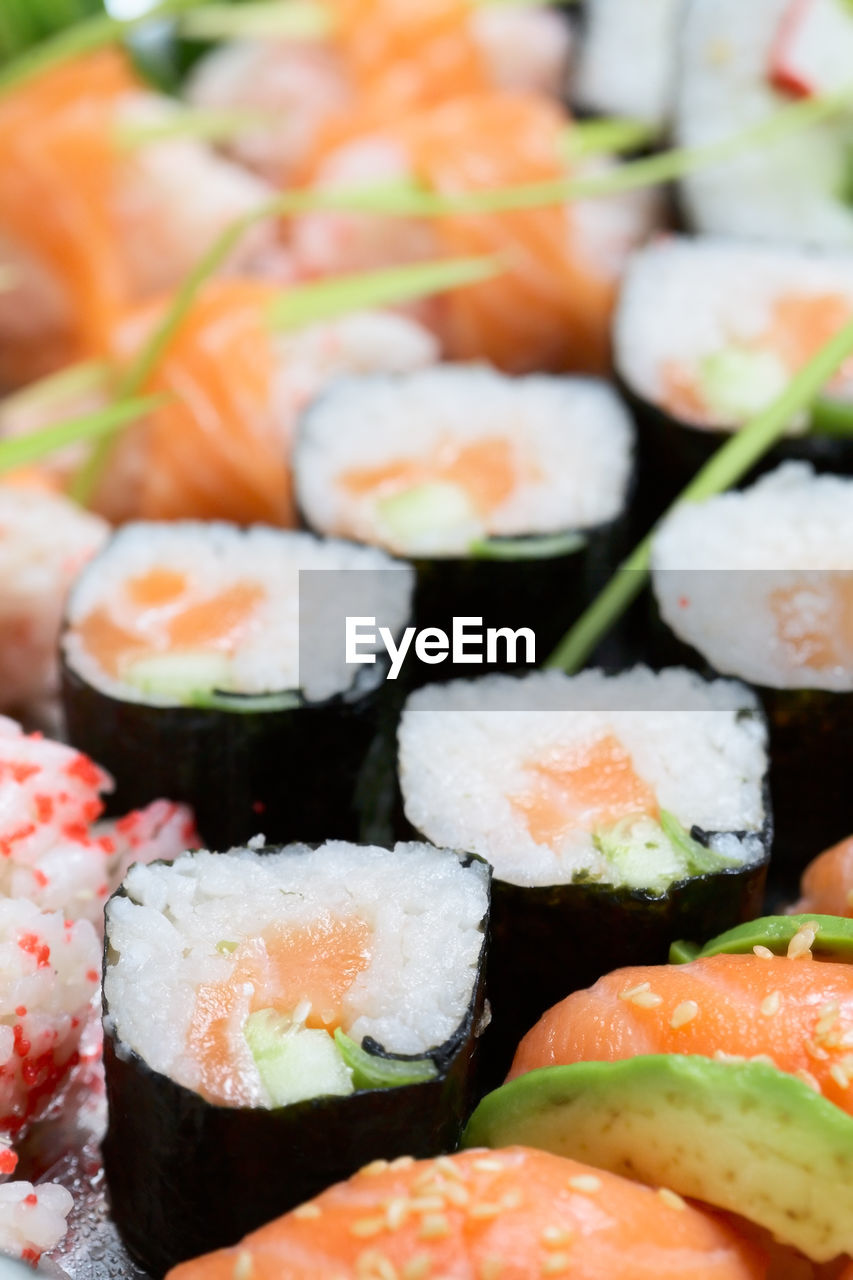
(546, 547)
(737, 382)
(429, 519)
(295, 1062)
(640, 853)
(180, 676)
(370, 1071)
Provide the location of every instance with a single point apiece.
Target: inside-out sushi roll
(610, 807)
(506, 491)
(231, 642)
(627, 58)
(304, 1010)
(738, 65)
(759, 584)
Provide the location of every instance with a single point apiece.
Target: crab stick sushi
(709, 333)
(627, 59)
(300, 1012)
(613, 810)
(738, 66)
(551, 308)
(309, 85)
(130, 224)
(757, 584)
(506, 492)
(503, 1215)
(199, 651)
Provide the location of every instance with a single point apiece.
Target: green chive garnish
(24, 450)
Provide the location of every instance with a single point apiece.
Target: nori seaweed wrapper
(187, 1176)
(292, 772)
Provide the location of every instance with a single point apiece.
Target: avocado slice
(833, 941)
(743, 1137)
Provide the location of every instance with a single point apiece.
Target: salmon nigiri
(494, 1215)
(551, 308)
(827, 883)
(89, 225)
(793, 1011)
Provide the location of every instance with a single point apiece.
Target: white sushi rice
(627, 58)
(789, 190)
(45, 540)
(32, 1219)
(723, 568)
(687, 301)
(423, 907)
(571, 440)
(214, 556)
(465, 749)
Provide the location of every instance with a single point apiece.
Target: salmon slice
(814, 621)
(591, 785)
(827, 883)
(512, 1214)
(156, 588)
(317, 963)
(795, 1012)
(213, 451)
(485, 470)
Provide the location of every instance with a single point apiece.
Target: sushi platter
(426, 639)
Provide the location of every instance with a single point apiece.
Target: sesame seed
(488, 1165)
(417, 1268)
(586, 1182)
(307, 1211)
(396, 1212)
(721, 1056)
(364, 1227)
(243, 1267)
(491, 1268)
(763, 1058)
(512, 1200)
(684, 1013)
(764, 952)
(839, 1075)
(630, 992)
(809, 1079)
(556, 1237)
(801, 943)
(672, 1198)
(434, 1226)
(815, 1050)
(485, 1209)
(448, 1167)
(402, 1162)
(556, 1265)
(427, 1204)
(646, 1000)
(457, 1194)
(372, 1265)
(771, 1004)
(375, 1167)
(829, 1015)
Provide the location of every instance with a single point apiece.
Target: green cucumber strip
(699, 859)
(294, 1062)
(76, 380)
(832, 417)
(728, 465)
(182, 676)
(202, 124)
(741, 1136)
(833, 941)
(245, 704)
(325, 299)
(369, 1071)
(641, 853)
(24, 450)
(293, 20)
(737, 382)
(546, 547)
(424, 510)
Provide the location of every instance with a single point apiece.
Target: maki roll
(275, 1019)
(758, 585)
(710, 332)
(627, 59)
(506, 492)
(208, 663)
(740, 64)
(512, 1213)
(613, 810)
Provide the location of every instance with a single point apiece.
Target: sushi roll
(627, 59)
(738, 65)
(276, 1019)
(827, 882)
(757, 585)
(709, 333)
(200, 653)
(514, 1213)
(507, 493)
(613, 810)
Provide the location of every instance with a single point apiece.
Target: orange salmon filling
(591, 785)
(485, 470)
(317, 963)
(170, 620)
(814, 623)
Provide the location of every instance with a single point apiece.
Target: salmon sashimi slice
(314, 965)
(795, 1012)
(213, 450)
(511, 1214)
(594, 784)
(485, 469)
(827, 883)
